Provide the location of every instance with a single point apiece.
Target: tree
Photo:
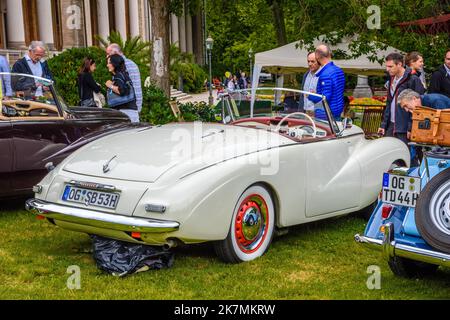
(261, 24)
(160, 63)
(277, 7)
(160, 21)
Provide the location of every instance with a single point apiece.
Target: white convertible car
(268, 166)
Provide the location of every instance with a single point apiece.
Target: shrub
(199, 111)
(65, 68)
(193, 77)
(181, 64)
(156, 108)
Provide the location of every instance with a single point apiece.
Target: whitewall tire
(251, 228)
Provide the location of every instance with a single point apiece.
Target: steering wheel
(314, 134)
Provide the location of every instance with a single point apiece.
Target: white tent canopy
(293, 59)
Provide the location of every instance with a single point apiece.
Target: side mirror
(227, 120)
(49, 166)
(347, 123)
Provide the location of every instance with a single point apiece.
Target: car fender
(375, 158)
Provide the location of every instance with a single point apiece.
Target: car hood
(97, 113)
(146, 154)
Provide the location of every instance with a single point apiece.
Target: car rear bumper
(91, 218)
(391, 248)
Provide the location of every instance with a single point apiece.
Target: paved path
(198, 97)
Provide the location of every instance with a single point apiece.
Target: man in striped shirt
(133, 72)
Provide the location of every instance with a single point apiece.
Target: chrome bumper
(99, 219)
(391, 248)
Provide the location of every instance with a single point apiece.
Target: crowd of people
(325, 78)
(406, 88)
(236, 81)
(123, 88)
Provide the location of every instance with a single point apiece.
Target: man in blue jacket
(410, 100)
(331, 84)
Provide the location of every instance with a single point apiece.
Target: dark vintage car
(37, 127)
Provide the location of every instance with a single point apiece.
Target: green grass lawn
(314, 261)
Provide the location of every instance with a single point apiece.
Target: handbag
(115, 100)
(99, 99)
(88, 103)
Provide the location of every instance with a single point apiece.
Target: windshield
(24, 95)
(274, 104)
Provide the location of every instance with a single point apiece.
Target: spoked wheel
(251, 229)
(433, 212)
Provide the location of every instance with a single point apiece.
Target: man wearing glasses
(31, 64)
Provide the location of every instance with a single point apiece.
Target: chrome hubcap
(440, 208)
(445, 214)
(251, 224)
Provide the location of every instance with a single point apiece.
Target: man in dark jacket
(244, 81)
(31, 64)
(396, 121)
(440, 80)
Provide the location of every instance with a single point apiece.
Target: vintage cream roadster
(268, 166)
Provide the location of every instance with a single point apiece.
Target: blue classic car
(411, 222)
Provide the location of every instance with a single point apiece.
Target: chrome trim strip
(26, 75)
(93, 186)
(99, 219)
(391, 248)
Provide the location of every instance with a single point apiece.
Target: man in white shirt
(32, 64)
(309, 83)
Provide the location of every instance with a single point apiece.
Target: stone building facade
(65, 24)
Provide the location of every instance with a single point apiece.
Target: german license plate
(400, 190)
(90, 197)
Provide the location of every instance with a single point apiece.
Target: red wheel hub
(251, 223)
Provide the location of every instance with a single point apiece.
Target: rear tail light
(136, 235)
(386, 211)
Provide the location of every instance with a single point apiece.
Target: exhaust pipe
(170, 243)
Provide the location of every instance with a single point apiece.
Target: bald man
(331, 83)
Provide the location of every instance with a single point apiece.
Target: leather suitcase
(431, 126)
